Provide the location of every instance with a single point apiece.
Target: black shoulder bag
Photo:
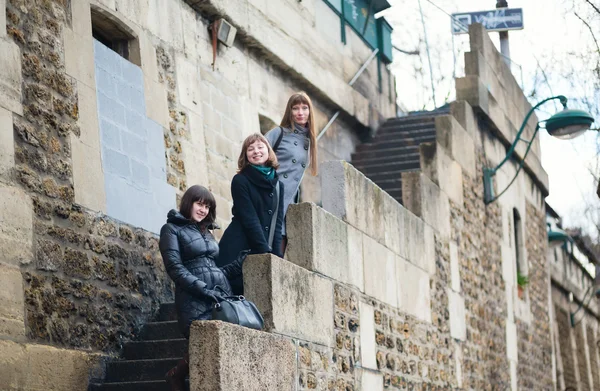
(238, 310)
(276, 145)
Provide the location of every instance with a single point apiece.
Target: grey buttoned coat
(293, 157)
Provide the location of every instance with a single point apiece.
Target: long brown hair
(243, 159)
(288, 122)
(199, 193)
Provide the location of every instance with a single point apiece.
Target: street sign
(501, 19)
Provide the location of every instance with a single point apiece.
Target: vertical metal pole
(428, 55)
(504, 46)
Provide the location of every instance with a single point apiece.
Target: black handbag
(238, 310)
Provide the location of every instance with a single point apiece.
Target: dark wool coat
(189, 255)
(253, 207)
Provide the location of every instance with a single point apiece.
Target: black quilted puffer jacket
(189, 254)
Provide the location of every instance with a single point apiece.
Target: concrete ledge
(457, 142)
(16, 226)
(28, 367)
(10, 78)
(293, 301)
(442, 170)
(319, 241)
(227, 357)
(425, 199)
(12, 305)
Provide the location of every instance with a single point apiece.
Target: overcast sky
(552, 43)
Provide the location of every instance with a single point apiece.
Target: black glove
(214, 295)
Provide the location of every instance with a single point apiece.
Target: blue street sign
(501, 19)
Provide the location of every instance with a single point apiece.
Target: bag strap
(276, 145)
(274, 218)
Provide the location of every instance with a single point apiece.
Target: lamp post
(564, 125)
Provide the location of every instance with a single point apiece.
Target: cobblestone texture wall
(478, 231)
(566, 350)
(535, 340)
(92, 281)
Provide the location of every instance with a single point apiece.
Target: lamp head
(568, 124)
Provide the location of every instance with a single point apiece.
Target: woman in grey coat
(295, 144)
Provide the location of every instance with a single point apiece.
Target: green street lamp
(564, 125)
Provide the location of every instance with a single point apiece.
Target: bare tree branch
(589, 28)
(593, 6)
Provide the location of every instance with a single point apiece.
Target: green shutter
(356, 13)
(385, 40)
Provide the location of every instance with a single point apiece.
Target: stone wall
(577, 348)
(79, 270)
(375, 295)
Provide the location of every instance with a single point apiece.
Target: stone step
(365, 160)
(168, 348)
(394, 135)
(139, 370)
(377, 145)
(396, 194)
(396, 126)
(396, 167)
(155, 331)
(153, 385)
(385, 176)
(167, 312)
(411, 120)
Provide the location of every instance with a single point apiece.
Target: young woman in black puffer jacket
(189, 251)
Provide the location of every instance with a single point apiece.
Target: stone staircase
(395, 149)
(145, 362)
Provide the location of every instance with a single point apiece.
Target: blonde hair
(288, 122)
(243, 159)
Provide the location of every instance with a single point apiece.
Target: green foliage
(522, 280)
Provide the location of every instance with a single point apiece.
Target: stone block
(473, 91)
(420, 243)
(443, 171)
(79, 54)
(458, 360)
(10, 78)
(425, 199)
(157, 107)
(458, 321)
(41, 367)
(81, 18)
(12, 306)
(414, 294)
(457, 142)
(508, 264)
(293, 301)
(465, 116)
(454, 266)
(318, 241)
(346, 191)
(88, 175)
(371, 381)
(115, 163)
(7, 143)
(135, 146)
(368, 346)
(227, 357)
(512, 341)
(379, 265)
(2, 18)
(355, 258)
(16, 226)
(188, 84)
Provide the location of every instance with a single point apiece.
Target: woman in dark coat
(255, 202)
(189, 251)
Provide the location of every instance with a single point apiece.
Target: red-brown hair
(288, 122)
(243, 159)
